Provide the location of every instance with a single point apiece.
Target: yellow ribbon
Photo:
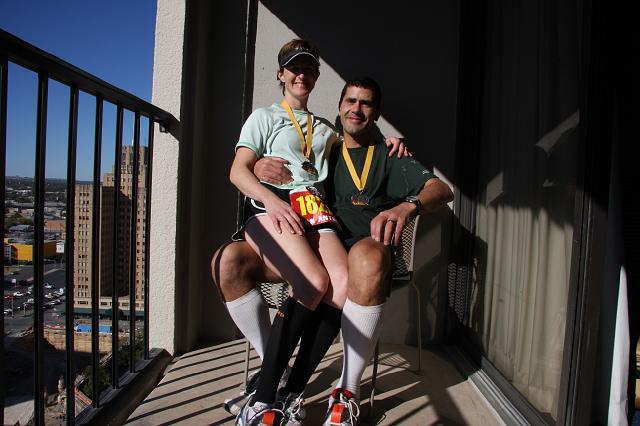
(359, 181)
(305, 144)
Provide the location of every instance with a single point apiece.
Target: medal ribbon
(305, 144)
(359, 181)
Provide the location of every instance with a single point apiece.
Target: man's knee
(369, 257)
(232, 268)
(369, 267)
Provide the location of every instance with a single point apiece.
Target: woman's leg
(324, 326)
(292, 257)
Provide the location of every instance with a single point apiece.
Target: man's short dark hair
(365, 83)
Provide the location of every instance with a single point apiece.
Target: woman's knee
(311, 289)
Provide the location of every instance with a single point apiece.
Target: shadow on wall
(444, 283)
(414, 57)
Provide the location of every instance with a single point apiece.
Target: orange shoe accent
(269, 418)
(336, 413)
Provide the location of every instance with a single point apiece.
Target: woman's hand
(397, 145)
(283, 216)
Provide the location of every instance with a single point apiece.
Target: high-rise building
(83, 231)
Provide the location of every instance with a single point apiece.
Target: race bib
(306, 201)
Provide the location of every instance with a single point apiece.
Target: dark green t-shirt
(391, 180)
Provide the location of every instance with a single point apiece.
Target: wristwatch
(414, 200)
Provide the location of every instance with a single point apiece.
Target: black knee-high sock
(290, 321)
(317, 338)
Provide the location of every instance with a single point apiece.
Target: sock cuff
(350, 305)
(245, 298)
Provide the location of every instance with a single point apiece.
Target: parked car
(18, 294)
(8, 297)
(8, 311)
(47, 285)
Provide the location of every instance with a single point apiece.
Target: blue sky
(112, 40)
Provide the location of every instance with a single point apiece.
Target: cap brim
(288, 60)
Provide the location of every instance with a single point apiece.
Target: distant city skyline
(111, 40)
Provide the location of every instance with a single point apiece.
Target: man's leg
(236, 268)
(369, 268)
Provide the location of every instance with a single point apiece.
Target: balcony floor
(196, 384)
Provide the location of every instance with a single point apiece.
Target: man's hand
(388, 225)
(272, 170)
(396, 145)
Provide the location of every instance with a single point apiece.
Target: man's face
(357, 111)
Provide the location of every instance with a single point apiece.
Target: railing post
(115, 282)
(38, 245)
(147, 233)
(70, 250)
(95, 255)
(4, 68)
(133, 265)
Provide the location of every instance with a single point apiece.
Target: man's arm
(272, 169)
(390, 223)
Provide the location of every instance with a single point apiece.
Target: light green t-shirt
(269, 132)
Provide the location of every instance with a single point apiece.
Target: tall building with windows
(83, 230)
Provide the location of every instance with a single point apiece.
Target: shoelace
(277, 407)
(353, 407)
(296, 406)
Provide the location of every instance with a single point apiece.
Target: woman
(311, 258)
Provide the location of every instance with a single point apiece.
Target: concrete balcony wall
(167, 79)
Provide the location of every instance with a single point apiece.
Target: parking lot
(19, 297)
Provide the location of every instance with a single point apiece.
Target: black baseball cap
(294, 53)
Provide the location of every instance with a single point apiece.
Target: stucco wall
(167, 86)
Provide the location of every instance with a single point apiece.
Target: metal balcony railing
(48, 68)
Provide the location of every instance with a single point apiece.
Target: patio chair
(276, 293)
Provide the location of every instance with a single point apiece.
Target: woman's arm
(280, 212)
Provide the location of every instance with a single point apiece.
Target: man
(374, 196)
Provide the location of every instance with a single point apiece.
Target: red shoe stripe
(336, 414)
(269, 418)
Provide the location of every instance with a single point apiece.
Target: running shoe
(294, 414)
(344, 409)
(235, 404)
(260, 414)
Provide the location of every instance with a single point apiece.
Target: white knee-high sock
(250, 313)
(360, 331)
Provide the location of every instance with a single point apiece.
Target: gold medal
(310, 168)
(359, 199)
(305, 143)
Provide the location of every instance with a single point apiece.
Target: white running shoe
(344, 409)
(294, 414)
(235, 404)
(260, 414)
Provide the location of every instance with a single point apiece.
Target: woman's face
(299, 76)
